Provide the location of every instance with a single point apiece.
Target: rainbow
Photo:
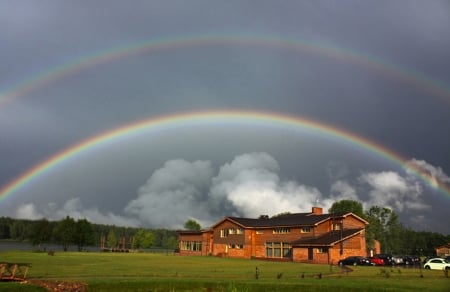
(49, 76)
(174, 121)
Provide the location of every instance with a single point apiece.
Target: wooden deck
(13, 271)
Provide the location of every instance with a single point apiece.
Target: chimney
(317, 210)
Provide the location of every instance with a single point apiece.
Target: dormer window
(281, 231)
(305, 229)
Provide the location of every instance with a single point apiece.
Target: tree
(19, 230)
(65, 232)
(143, 239)
(170, 242)
(192, 225)
(5, 224)
(83, 233)
(112, 239)
(41, 232)
(385, 227)
(347, 206)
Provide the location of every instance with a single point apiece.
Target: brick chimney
(317, 210)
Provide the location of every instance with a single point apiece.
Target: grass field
(167, 272)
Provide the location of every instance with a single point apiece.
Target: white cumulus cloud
(390, 189)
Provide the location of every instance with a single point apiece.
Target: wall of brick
(352, 222)
(254, 245)
(191, 253)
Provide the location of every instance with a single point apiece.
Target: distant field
(167, 272)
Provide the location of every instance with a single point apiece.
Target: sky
(367, 84)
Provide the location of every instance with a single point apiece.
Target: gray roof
(286, 220)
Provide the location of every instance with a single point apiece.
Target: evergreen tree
(41, 232)
(83, 234)
(65, 232)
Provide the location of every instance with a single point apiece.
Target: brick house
(301, 237)
(443, 250)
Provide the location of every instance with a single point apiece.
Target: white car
(437, 264)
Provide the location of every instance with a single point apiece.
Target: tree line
(81, 233)
(385, 227)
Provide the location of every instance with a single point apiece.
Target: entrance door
(310, 254)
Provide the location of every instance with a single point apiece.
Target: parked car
(411, 260)
(437, 264)
(426, 259)
(397, 260)
(377, 261)
(387, 258)
(355, 261)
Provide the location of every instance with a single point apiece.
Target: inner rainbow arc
(249, 117)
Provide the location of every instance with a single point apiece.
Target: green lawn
(161, 272)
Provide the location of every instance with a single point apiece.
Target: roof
(328, 239)
(286, 220)
(191, 232)
(447, 245)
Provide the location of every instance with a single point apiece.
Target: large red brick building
(301, 237)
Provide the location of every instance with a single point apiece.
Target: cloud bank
(249, 186)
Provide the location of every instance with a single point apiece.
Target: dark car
(355, 261)
(411, 260)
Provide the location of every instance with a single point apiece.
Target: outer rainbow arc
(209, 116)
(372, 63)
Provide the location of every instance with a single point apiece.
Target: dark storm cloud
(182, 190)
(404, 116)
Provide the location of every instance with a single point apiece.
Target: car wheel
(427, 267)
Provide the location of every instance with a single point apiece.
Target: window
(235, 246)
(223, 233)
(322, 250)
(259, 231)
(278, 250)
(336, 226)
(281, 231)
(305, 229)
(232, 231)
(240, 231)
(191, 245)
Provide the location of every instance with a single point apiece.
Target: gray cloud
(436, 173)
(173, 193)
(247, 186)
(389, 189)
